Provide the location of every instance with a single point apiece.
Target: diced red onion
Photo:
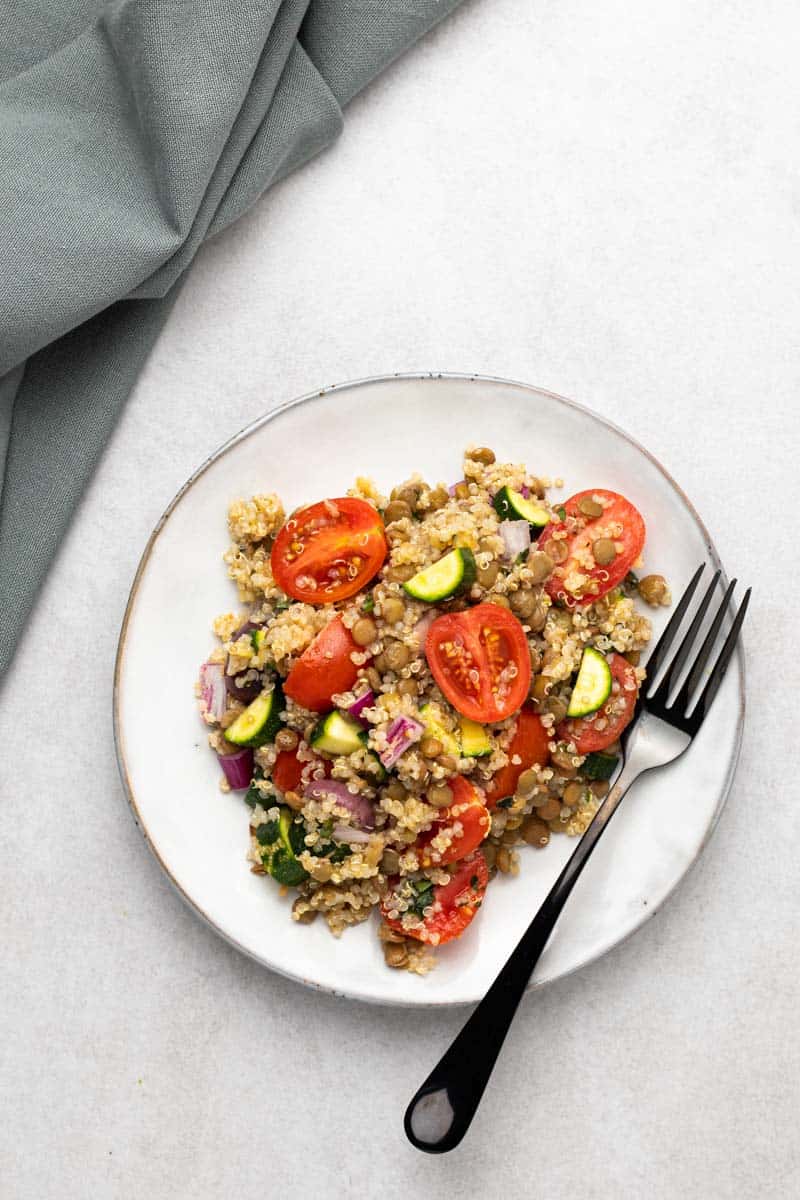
(248, 627)
(420, 630)
(212, 691)
(359, 807)
(238, 768)
(357, 707)
(246, 692)
(401, 734)
(525, 491)
(516, 537)
(452, 489)
(346, 833)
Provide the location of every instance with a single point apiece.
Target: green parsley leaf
(267, 833)
(284, 868)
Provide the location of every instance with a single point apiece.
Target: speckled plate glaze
(313, 447)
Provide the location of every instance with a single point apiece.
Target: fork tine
(698, 666)
(664, 643)
(720, 666)
(676, 666)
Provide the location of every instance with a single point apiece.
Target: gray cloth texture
(131, 132)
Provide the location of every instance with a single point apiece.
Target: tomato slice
(472, 817)
(324, 669)
(287, 770)
(530, 745)
(613, 717)
(329, 551)
(456, 904)
(480, 660)
(579, 579)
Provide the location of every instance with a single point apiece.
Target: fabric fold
(130, 132)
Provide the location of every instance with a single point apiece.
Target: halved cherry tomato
(324, 669)
(530, 745)
(572, 581)
(480, 660)
(616, 713)
(456, 904)
(471, 814)
(287, 771)
(329, 551)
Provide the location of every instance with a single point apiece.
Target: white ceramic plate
(314, 447)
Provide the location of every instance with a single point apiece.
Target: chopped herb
(630, 583)
(326, 828)
(423, 896)
(506, 802)
(284, 868)
(368, 604)
(267, 833)
(281, 605)
(523, 554)
(253, 796)
(297, 837)
(562, 512)
(341, 852)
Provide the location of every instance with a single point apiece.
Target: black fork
(442, 1110)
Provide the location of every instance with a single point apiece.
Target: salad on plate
(417, 686)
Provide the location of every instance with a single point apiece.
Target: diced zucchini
(599, 766)
(376, 770)
(257, 637)
(451, 574)
(512, 506)
(281, 842)
(475, 741)
(593, 685)
(431, 718)
(338, 734)
(260, 721)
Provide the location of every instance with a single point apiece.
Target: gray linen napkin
(131, 131)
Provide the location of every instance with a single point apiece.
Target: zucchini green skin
(260, 721)
(593, 685)
(512, 506)
(281, 842)
(337, 733)
(452, 574)
(599, 766)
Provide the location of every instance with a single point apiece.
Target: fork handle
(442, 1110)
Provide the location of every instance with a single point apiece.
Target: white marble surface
(601, 199)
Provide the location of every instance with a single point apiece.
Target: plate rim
(119, 741)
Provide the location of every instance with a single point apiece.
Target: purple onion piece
(346, 833)
(401, 734)
(212, 691)
(238, 768)
(247, 692)
(516, 537)
(525, 491)
(451, 491)
(420, 631)
(360, 809)
(357, 707)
